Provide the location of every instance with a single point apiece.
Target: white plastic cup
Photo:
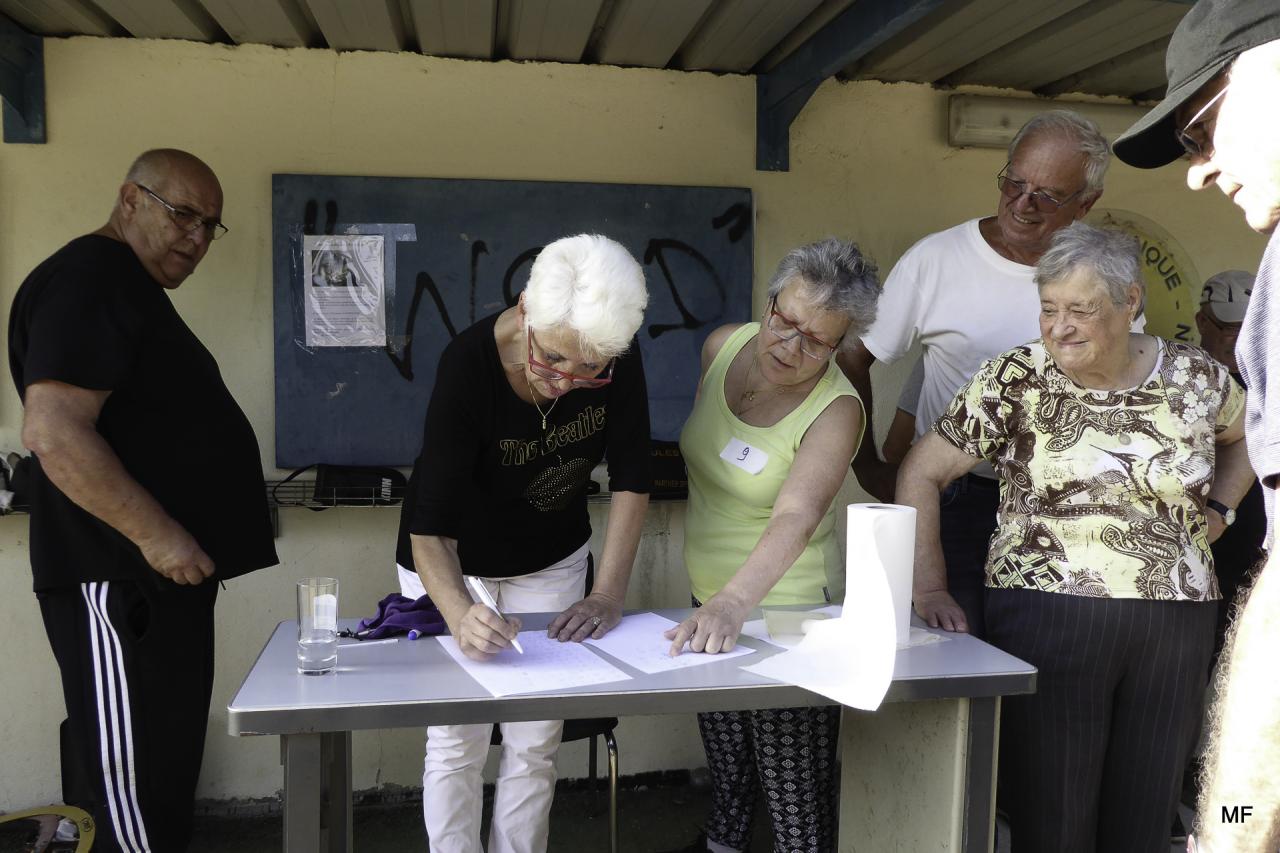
(317, 626)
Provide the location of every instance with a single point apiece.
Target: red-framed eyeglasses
(784, 329)
(546, 371)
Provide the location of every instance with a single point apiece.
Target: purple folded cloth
(400, 615)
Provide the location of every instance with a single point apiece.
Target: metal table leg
(981, 759)
(317, 792)
(336, 815)
(303, 784)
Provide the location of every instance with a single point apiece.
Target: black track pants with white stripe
(137, 673)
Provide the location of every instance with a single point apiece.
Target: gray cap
(1209, 37)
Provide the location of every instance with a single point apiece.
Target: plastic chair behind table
(46, 820)
(591, 728)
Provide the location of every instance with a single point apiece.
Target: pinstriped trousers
(137, 673)
(1093, 760)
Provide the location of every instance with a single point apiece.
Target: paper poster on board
(345, 291)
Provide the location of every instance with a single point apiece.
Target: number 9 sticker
(742, 455)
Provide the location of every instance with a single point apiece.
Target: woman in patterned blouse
(1120, 459)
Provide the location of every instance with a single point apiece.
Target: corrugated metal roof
(1105, 47)
(1049, 47)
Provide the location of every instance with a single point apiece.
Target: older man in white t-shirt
(966, 294)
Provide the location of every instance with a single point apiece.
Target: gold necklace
(533, 394)
(751, 393)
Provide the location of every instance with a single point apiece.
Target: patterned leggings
(791, 754)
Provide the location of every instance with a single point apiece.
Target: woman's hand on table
(593, 616)
(939, 610)
(482, 633)
(712, 628)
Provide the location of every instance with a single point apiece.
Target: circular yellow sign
(1173, 285)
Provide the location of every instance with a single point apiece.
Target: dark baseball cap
(1209, 37)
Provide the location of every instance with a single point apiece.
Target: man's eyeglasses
(187, 220)
(784, 328)
(548, 372)
(1043, 201)
(1193, 146)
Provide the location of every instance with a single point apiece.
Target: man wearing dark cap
(1222, 110)
(146, 490)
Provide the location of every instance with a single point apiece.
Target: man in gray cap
(1221, 111)
(1224, 300)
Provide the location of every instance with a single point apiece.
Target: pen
(367, 643)
(482, 593)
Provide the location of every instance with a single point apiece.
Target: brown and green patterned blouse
(1101, 492)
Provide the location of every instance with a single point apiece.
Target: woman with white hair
(1120, 460)
(526, 403)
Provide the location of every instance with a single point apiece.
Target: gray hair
(837, 277)
(1112, 256)
(1080, 130)
(592, 285)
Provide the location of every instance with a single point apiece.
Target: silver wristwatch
(1228, 514)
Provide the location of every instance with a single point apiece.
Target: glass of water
(317, 626)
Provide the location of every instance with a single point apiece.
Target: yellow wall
(869, 160)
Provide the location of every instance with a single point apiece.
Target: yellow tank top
(729, 507)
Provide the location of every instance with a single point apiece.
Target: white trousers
(452, 785)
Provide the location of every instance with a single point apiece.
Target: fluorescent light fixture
(984, 121)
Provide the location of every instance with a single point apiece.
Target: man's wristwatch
(1228, 514)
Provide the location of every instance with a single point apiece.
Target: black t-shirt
(513, 495)
(92, 316)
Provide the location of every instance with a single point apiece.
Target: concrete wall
(869, 160)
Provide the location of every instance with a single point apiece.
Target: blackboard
(458, 250)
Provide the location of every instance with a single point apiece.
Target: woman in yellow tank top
(767, 446)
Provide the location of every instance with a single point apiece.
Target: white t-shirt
(965, 303)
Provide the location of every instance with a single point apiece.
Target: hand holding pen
(485, 630)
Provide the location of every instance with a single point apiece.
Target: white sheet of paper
(547, 664)
(851, 659)
(638, 642)
(758, 629)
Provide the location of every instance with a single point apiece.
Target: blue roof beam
(21, 83)
(782, 92)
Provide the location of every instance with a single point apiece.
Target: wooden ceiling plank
(738, 33)
(648, 32)
(958, 35)
(460, 28)
(817, 19)
(359, 24)
(161, 19)
(552, 30)
(1118, 68)
(1132, 84)
(1105, 43)
(1094, 33)
(275, 22)
(60, 17)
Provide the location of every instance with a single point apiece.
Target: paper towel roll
(880, 549)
